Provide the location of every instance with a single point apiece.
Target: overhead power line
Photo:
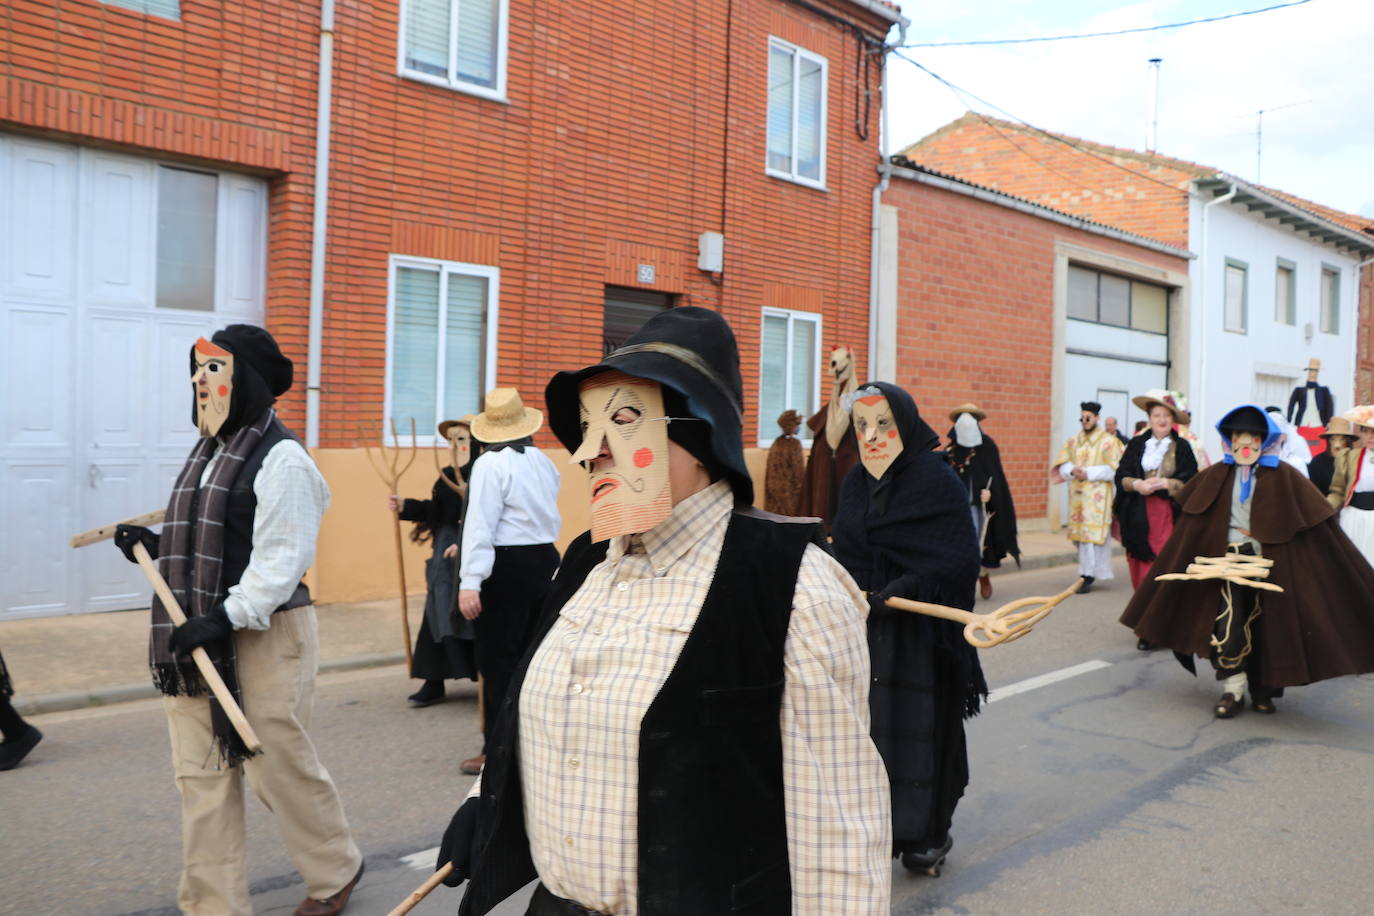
(1147, 28)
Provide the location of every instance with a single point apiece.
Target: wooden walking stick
(1237, 568)
(390, 471)
(1006, 624)
(421, 892)
(175, 614)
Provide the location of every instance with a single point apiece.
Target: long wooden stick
(198, 654)
(105, 532)
(421, 892)
(390, 472)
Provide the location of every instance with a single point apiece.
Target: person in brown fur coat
(782, 481)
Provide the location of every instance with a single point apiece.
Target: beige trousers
(276, 670)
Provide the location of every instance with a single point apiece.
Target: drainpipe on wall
(319, 232)
(1201, 398)
(883, 366)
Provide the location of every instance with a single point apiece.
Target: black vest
(712, 827)
(240, 510)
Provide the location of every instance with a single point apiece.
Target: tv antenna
(1259, 132)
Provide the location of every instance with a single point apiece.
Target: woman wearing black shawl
(908, 532)
(975, 458)
(444, 648)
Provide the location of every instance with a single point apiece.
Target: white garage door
(110, 267)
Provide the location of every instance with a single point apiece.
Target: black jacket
(1298, 399)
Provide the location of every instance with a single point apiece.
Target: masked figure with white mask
(690, 727)
(238, 537)
(1252, 504)
(903, 529)
(975, 458)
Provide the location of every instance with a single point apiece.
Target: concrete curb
(127, 693)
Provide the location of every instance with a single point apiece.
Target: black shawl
(927, 679)
(980, 468)
(444, 507)
(1130, 506)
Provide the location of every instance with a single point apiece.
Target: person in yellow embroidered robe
(1087, 462)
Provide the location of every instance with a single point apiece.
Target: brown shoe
(985, 585)
(473, 765)
(330, 906)
(1228, 707)
(1265, 706)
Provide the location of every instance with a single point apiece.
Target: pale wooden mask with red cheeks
(212, 385)
(1246, 447)
(879, 441)
(460, 444)
(625, 451)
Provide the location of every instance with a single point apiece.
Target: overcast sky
(1314, 57)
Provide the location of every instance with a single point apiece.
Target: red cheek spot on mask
(223, 390)
(644, 457)
(892, 434)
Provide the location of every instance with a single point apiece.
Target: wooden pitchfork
(1237, 568)
(1006, 624)
(178, 617)
(390, 470)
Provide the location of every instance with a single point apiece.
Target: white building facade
(1275, 285)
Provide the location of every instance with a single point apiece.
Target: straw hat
(1339, 426)
(1361, 415)
(505, 418)
(464, 420)
(969, 408)
(1163, 398)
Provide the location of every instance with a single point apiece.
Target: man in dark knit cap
(238, 536)
(689, 732)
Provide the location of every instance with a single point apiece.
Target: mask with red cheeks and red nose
(212, 385)
(879, 440)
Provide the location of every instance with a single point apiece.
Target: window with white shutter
(796, 114)
(1331, 300)
(1237, 281)
(167, 9)
(460, 44)
(441, 342)
(789, 369)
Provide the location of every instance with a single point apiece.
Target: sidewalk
(80, 660)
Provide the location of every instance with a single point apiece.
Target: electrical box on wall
(711, 252)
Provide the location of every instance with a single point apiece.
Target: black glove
(197, 631)
(126, 536)
(900, 587)
(456, 847)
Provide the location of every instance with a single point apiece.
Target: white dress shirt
(292, 497)
(601, 666)
(512, 501)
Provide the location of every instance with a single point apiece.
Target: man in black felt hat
(689, 731)
(238, 536)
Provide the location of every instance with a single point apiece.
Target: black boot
(1087, 585)
(432, 692)
(17, 748)
(929, 861)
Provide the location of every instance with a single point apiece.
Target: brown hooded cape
(1321, 625)
(826, 469)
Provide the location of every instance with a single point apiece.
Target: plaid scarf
(191, 552)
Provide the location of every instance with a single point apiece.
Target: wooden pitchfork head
(456, 487)
(390, 466)
(1238, 568)
(1008, 623)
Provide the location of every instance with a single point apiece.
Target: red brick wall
(1147, 198)
(631, 128)
(622, 141)
(975, 319)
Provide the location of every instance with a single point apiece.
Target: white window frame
(799, 53)
(1244, 268)
(1335, 272)
(430, 438)
(1290, 317)
(496, 93)
(792, 315)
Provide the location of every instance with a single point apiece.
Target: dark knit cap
(259, 349)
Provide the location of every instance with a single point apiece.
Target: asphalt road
(1111, 790)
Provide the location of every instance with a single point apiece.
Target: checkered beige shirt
(602, 664)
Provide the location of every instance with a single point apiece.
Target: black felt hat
(1246, 419)
(689, 350)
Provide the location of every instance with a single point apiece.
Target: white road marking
(1044, 680)
(422, 859)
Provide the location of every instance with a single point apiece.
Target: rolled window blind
(168, 9)
(780, 109)
(477, 34)
(427, 29)
(463, 350)
(810, 117)
(414, 347)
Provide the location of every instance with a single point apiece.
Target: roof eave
(1271, 207)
